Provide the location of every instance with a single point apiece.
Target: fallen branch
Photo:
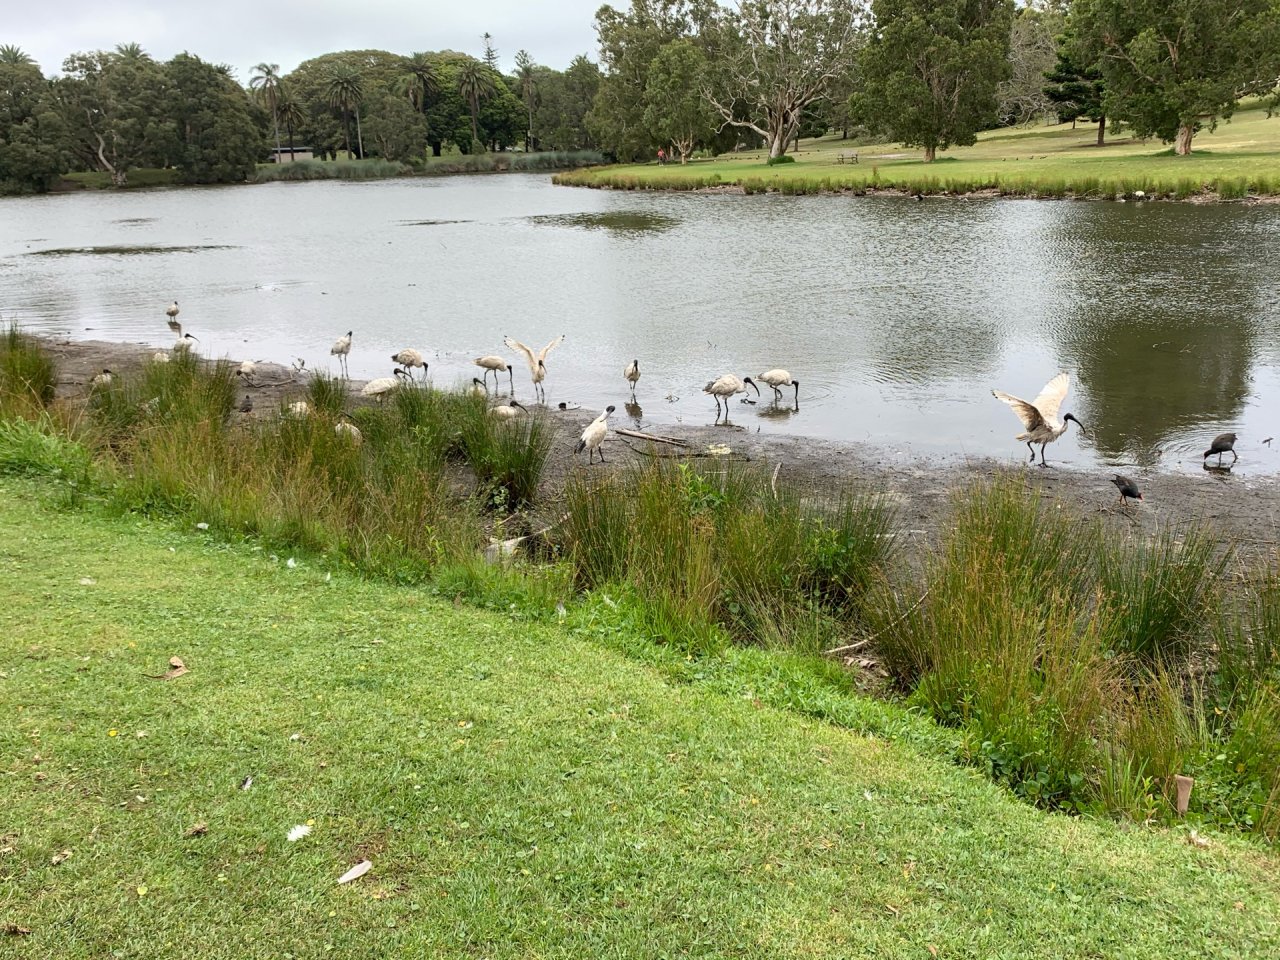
(675, 441)
(867, 640)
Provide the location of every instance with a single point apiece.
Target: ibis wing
(542, 355)
(1026, 412)
(1051, 397)
(529, 356)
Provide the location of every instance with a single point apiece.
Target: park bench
(847, 157)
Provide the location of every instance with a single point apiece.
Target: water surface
(898, 317)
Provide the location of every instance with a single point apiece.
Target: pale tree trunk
(1102, 130)
(359, 135)
(778, 143)
(930, 152)
(1182, 146)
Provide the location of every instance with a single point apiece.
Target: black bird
(1222, 443)
(1128, 489)
(247, 406)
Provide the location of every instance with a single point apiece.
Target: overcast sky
(246, 32)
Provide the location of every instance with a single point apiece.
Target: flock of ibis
(1040, 420)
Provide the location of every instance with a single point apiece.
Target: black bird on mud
(247, 406)
(1128, 489)
(1222, 443)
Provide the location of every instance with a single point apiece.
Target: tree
(221, 133)
(32, 136)
(527, 78)
(420, 81)
(14, 56)
(475, 84)
(1033, 51)
(1075, 86)
(778, 57)
(113, 105)
(265, 82)
(675, 108)
(490, 57)
(1173, 66)
(931, 69)
(290, 113)
(345, 92)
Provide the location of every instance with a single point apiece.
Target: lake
(898, 317)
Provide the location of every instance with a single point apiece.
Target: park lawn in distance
(521, 791)
(1042, 160)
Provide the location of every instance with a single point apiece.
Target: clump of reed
(508, 456)
(725, 550)
(375, 169)
(184, 390)
(28, 374)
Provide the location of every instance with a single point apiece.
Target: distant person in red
(662, 157)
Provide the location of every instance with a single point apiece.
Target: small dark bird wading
(1128, 489)
(1222, 443)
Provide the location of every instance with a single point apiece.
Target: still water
(897, 317)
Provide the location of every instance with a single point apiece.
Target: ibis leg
(1033, 451)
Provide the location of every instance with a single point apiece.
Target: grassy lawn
(1241, 155)
(521, 790)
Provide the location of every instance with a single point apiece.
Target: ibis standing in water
(594, 435)
(410, 358)
(725, 387)
(1223, 443)
(493, 364)
(341, 347)
(1040, 416)
(1128, 489)
(780, 378)
(172, 314)
(632, 375)
(537, 368)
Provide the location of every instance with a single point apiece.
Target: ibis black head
(508, 368)
(542, 365)
(477, 381)
(187, 336)
(516, 403)
(1072, 418)
(105, 370)
(399, 372)
(609, 408)
(348, 333)
(746, 380)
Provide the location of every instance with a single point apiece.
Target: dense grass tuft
(28, 375)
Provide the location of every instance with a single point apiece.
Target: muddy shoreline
(1243, 510)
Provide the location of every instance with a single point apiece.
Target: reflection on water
(898, 317)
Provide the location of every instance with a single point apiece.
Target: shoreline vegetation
(1237, 161)
(354, 169)
(1086, 666)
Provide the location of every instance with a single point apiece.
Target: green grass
(521, 791)
(1239, 158)
(137, 177)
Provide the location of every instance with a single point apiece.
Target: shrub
(28, 374)
(784, 158)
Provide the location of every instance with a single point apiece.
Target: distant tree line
(691, 74)
(680, 75)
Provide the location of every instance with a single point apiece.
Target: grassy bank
(1080, 665)
(520, 791)
(1239, 159)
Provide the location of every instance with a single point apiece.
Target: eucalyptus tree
(931, 69)
(1172, 67)
(344, 91)
(265, 82)
(475, 84)
(774, 59)
(676, 109)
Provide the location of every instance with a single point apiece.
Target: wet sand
(1241, 508)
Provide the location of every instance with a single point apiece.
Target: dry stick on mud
(866, 640)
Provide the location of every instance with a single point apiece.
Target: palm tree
(131, 52)
(420, 81)
(345, 92)
(292, 115)
(475, 84)
(14, 56)
(529, 88)
(265, 82)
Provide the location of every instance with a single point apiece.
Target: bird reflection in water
(779, 411)
(634, 412)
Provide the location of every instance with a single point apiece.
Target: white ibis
(594, 435)
(381, 386)
(478, 388)
(508, 410)
(341, 347)
(1040, 417)
(779, 378)
(184, 342)
(725, 387)
(172, 314)
(102, 379)
(344, 428)
(632, 374)
(410, 358)
(299, 408)
(493, 364)
(537, 366)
